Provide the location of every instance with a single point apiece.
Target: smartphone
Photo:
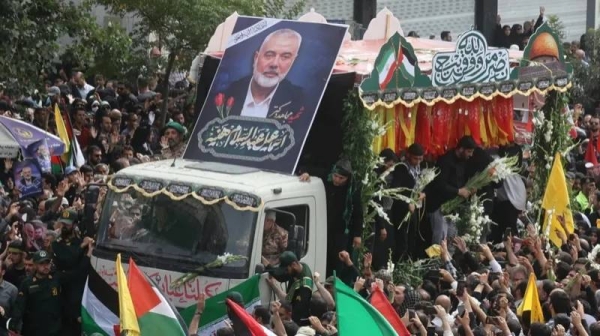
(411, 314)
(507, 233)
(460, 288)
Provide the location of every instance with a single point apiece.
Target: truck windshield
(184, 231)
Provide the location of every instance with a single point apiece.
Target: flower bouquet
(470, 220)
(223, 107)
(427, 176)
(496, 171)
(593, 258)
(219, 262)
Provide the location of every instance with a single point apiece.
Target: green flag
(356, 316)
(215, 313)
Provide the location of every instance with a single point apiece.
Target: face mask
(94, 108)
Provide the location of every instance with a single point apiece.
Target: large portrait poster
(265, 93)
(28, 178)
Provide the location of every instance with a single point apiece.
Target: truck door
(297, 218)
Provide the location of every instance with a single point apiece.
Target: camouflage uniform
(275, 242)
(171, 153)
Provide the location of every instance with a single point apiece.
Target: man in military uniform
(300, 285)
(38, 308)
(275, 239)
(172, 141)
(68, 252)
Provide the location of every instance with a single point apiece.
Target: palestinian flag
(356, 316)
(246, 324)
(57, 165)
(380, 302)
(155, 315)
(215, 313)
(100, 306)
(407, 64)
(73, 155)
(386, 65)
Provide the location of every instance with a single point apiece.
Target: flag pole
(337, 315)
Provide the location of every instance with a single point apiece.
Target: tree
(30, 33)
(184, 27)
(587, 76)
(108, 51)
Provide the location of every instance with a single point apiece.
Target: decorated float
(389, 91)
(433, 92)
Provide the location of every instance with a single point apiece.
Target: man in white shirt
(82, 87)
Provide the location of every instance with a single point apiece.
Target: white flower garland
(471, 220)
(592, 257)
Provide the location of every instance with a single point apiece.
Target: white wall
(425, 16)
(433, 16)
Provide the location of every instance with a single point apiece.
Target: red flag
(590, 153)
(253, 327)
(384, 307)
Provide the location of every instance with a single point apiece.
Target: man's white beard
(265, 81)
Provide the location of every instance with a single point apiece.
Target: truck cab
(176, 216)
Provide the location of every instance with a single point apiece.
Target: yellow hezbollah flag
(61, 129)
(556, 199)
(531, 302)
(127, 319)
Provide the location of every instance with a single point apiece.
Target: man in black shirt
(15, 273)
(448, 184)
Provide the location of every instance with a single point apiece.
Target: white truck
(175, 216)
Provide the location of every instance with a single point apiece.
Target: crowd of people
(473, 289)
(45, 249)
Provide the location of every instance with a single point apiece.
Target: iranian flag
(215, 313)
(387, 65)
(100, 306)
(155, 315)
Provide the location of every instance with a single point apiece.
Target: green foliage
(587, 78)
(361, 129)
(29, 33)
(412, 273)
(184, 27)
(559, 27)
(106, 51)
(551, 135)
